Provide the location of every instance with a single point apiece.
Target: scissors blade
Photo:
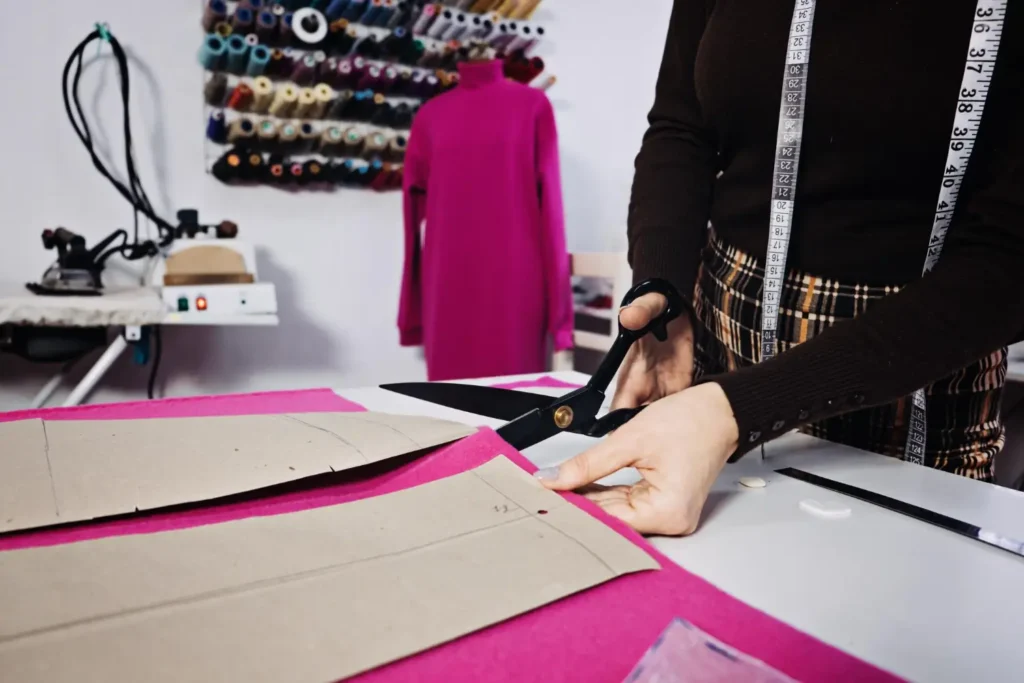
(500, 404)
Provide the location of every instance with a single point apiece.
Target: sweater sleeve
(414, 202)
(970, 305)
(675, 168)
(555, 254)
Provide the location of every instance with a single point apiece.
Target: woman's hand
(654, 369)
(679, 444)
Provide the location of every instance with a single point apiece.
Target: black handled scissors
(534, 417)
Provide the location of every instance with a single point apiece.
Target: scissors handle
(658, 327)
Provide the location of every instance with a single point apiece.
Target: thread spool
(343, 75)
(359, 65)
(431, 85)
(243, 20)
(394, 44)
(389, 79)
(213, 52)
(371, 78)
(241, 130)
(278, 10)
(373, 10)
(354, 139)
(215, 12)
(262, 95)
(275, 173)
(335, 9)
(295, 173)
(216, 129)
(384, 16)
(383, 113)
(355, 9)
(278, 65)
(457, 28)
(313, 172)
(475, 27)
(254, 5)
(346, 41)
(309, 26)
(253, 166)
(223, 29)
(240, 98)
(441, 24)
(266, 26)
(259, 59)
(339, 106)
(482, 6)
(506, 7)
(402, 117)
(304, 72)
(397, 146)
(288, 136)
(524, 9)
(522, 39)
(425, 20)
(228, 167)
(337, 39)
(373, 171)
(376, 144)
(401, 16)
(309, 137)
(284, 28)
(237, 54)
(331, 141)
(415, 52)
(368, 47)
(267, 133)
(404, 81)
(285, 99)
(306, 104)
(252, 40)
(215, 89)
(324, 96)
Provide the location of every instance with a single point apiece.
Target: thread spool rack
(335, 84)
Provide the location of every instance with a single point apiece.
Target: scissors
(532, 418)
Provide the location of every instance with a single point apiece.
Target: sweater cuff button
(753, 436)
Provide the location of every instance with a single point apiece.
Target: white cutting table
(916, 600)
(127, 309)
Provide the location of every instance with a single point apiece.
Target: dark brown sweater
(882, 89)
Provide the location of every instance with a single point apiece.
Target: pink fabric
(264, 403)
(544, 382)
(597, 635)
(490, 282)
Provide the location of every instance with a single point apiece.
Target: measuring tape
(987, 30)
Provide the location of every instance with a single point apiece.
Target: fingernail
(547, 474)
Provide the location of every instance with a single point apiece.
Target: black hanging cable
(134, 192)
(157, 351)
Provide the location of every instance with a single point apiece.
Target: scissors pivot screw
(563, 417)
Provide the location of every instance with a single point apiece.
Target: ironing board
(128, 309)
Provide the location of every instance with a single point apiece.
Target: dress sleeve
(969, 306)
(414, 201)
(675, 169)
(555, 254)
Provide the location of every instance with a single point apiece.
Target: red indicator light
(201, 303)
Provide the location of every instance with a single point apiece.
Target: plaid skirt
(964, 431)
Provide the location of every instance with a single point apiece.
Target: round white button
(753, 482)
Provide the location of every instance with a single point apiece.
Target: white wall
(338, 329)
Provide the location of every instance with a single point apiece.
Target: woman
(859, 328)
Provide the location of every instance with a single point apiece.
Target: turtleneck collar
(479, 74)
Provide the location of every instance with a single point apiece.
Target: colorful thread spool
(215, 89)
(216, 11)
(331, 141)
(375, 145)
(240, 98)
(216, 128)
(354, 140)
(238, 53)
(213, 52)
(373, 10)
(285, 100)
(324, 96)
(313, 172)
(285, 29)
(397, 146)
(266, 26)
(267, 133)
(306, 105)
(288, 135)
(278, 65)
(355, 9)
(241, 130)
(223, 29)
(401, 16)
(335, 9)
(259, 59)
(308, 136)
(228, 167)
(243, 20)
(304, 71)
(262, 95)
(339, 106)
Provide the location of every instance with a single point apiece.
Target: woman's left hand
(679, 444)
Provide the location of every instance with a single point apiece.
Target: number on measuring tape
(978, 69)
(986, 32)
(787, 163)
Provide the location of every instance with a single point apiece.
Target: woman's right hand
(654, 369)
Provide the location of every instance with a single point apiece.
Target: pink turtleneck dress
(486, 283)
